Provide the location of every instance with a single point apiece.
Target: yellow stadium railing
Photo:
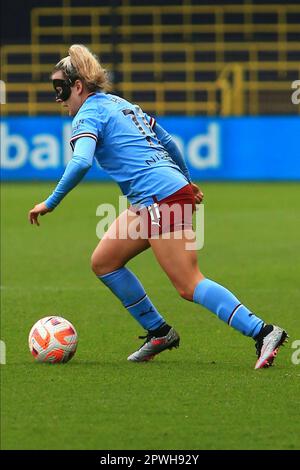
(238, 95)
(34, 66)
(236, 89)
(159, 25)
(33, 106)
(242, 95)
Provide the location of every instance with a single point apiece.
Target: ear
(79, 86)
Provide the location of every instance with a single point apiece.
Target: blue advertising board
(246, 148)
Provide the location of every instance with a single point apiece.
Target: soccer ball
(53, 339)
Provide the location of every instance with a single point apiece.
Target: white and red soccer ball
(53, 339)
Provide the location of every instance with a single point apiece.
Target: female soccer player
(150, 170)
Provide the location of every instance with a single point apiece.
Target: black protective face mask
(62, 88)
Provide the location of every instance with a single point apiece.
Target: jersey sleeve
(75, 171)
(84, 126)
(172, 149)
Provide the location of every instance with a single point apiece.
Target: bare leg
(114, 252)
(108, 262)
(179, 264)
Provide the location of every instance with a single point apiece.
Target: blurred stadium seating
(173, 58)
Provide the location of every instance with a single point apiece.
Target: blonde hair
(82, 64)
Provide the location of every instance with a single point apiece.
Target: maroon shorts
(171, 214)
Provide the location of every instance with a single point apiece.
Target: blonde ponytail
(82, 64)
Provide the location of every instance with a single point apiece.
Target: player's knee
(99, 265)
(104, 263)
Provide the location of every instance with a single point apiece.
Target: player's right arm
(76, 169)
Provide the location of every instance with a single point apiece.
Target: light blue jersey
(122, 140)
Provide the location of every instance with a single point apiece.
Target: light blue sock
(126, 286)
(227, 307)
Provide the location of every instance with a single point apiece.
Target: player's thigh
(178, 260)
(119, 244)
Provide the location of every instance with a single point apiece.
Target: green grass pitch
(206, 394)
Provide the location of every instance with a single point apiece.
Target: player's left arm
(75, 170)
(172, 149)
(176, 155)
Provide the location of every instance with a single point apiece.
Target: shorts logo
(154, 214)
